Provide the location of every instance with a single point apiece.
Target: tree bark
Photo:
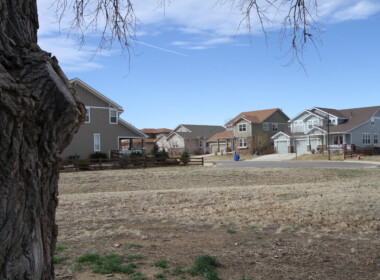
(39, 113)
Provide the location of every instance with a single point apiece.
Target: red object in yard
(358, 157)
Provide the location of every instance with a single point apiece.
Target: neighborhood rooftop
(254, 116)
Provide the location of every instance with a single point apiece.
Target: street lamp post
(328, 135)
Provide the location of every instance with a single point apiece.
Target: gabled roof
(133, 128)
(197, 131)
(227, 134)
(287, 134)
(96, 93)
(155, 130)
(333, 112)
(258, 116)
(309, 112)
(356, 117)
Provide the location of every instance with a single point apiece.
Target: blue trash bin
(236, 157)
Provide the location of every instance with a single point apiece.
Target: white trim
(369, 139)
(243, 127)
(133, 128)
(245, 142)
(280, 133)
(181, 125)
(116, 115)
(304, 111)
(96, 93)
(239, 119)
(105, 108)
(172, 133)
(315, 127)
(327, 113)
(97, 150)
(88, 109)
(377, 138)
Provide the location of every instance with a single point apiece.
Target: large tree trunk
(39, 113)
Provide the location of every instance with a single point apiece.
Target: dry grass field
(258, 223)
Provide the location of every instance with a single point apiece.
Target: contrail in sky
(162, 49)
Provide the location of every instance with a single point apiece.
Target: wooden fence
(366, 151)
(126, 163)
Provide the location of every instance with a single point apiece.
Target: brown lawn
(259, 223)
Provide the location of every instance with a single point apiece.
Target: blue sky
(192, 66)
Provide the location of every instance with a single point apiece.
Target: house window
(87, 120)
(274, 126)
(96, 142)
(265, 126)
(366, 138)
(338, 140)
(243, 127)
(375, 138)
(113, 116)
(175, 144)
(312, 123)
(242, 142)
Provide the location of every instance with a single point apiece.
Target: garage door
(301, 146)
(281, 146)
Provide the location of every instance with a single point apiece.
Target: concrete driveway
(274, 157)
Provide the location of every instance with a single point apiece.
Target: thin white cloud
(217, 41)
(209, 24)
(345, 10)
(361, 10)
(159, 48)
(72, 58)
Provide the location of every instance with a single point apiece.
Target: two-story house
(322, 129)
(103, 129)
(252, 131)
(187, 137)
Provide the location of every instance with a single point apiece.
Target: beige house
(253, 130)
(153, 134)
(222, 142)
(103, 129)
(187, 137)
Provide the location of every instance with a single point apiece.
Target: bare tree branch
(117, 20)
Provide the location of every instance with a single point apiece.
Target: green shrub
(177, 271)
(161, 263)
(204, 266)
(138, 276)
(162, 154)
(59, 248)
(135, 257)
(155, 150)
(106, 264)
(98, 155)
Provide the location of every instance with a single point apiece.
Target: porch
(131, 145)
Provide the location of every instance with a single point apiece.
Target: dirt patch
(259, 223)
